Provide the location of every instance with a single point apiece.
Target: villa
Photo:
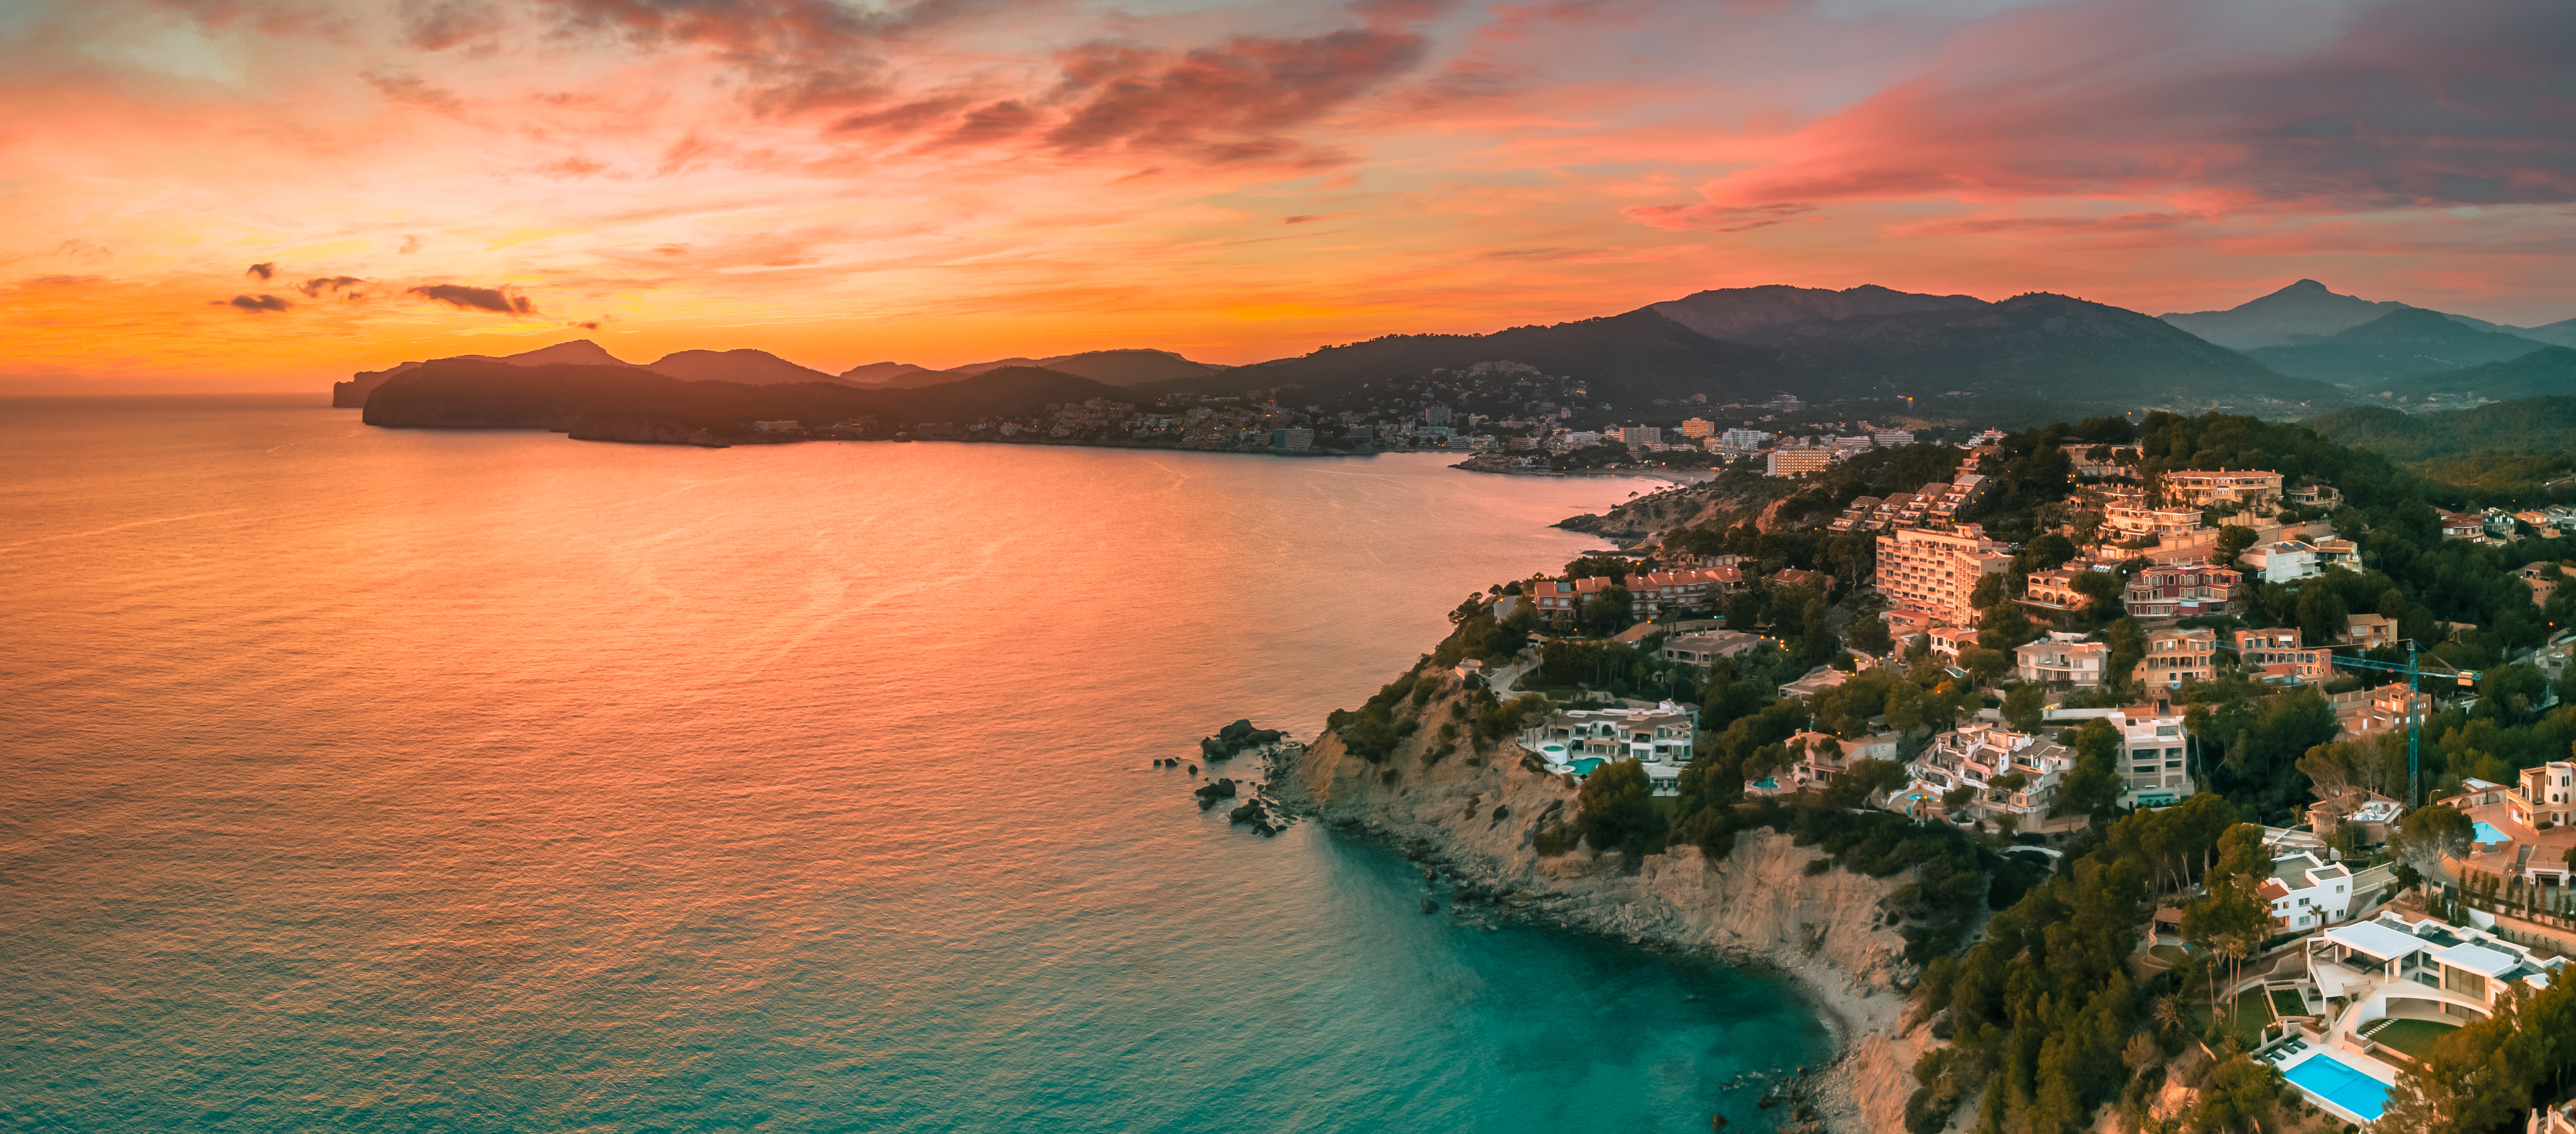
(2012, 773)
(2377, 994)
(1703, 649)
(2305, 891)
(2055, 661)
(1578, 741)
(2523, 831)
(1825, 758)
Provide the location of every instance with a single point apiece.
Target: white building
(1579, 741)
(2305, 892)
(2285, 561)
(2155, 754)
(1795, 462)
(2057, 660)
(2012, 773)
(1741, 441)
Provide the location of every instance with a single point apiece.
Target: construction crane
(2414, 719)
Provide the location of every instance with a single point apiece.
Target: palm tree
(2168, 1013)
(2236, 947)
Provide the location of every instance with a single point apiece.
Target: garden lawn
(2414, 1037)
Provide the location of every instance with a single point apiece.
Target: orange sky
(268, 194)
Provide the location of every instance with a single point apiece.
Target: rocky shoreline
(1473, 818)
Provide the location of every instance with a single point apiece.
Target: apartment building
(1937, 571)
(2282, 561)
(2053, 591)
(2074, 664)
(1798, 462)
(2280, 657)
(2155, 752)
(1661, 592)
(2185, 590)
(2200, 488)
(2176, 656)
(1741, 441)
(1698, 428)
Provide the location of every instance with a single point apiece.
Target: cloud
(83, 251)
(263, 271)
(410, 245)
(1232, 102)
(415, 91)
(2215, 105)
(586, 324)
(319, 286)
(1711, 217)
(436, 25)
(256, 303)
(491, 299)
(571, 167)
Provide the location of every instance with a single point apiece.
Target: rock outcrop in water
(1760, 904)
(1231, 740)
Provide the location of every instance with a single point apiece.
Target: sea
(358, 779)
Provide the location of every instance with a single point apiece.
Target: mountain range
(761, 368)
(2307, 312)
(2292, 353)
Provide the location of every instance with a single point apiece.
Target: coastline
(1474, 822)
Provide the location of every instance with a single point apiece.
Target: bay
(365, 779)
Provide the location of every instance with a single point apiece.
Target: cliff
(352, 394)
(1476, 816)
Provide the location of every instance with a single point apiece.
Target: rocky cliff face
(1478, 817)
(352, 394)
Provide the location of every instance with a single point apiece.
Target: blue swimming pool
(2486, 833)
(2340, 1083)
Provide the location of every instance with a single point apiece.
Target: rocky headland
(1473, 817)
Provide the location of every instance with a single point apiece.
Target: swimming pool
(2486, 833)
(2340, 1083)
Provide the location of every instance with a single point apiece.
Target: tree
(1618, 811)
(1871, 636)
(2232, 541)
(1607, 612)
(2094, 787)
(1984, 666)
(2048, 551)
(2024, 709)
(2430, 834)
(1988, 591)
(2004, 626)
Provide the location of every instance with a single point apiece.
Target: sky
(267, 194)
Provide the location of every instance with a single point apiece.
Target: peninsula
(2072, 783)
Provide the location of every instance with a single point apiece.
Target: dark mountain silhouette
(1624, 358)
(352, 394)
(2546, 372)
(2404, 342)
(1744, 314)
(896, 375)
(482, 393)
(1131, 366)
(2304, 311)
(2560, 333)
(2307, 312)
(2040, 347)
(748, 367)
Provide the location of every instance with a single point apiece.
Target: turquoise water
(2337, 1082)
(425, 781)
(2486, 832)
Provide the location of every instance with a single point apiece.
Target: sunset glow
(265, 194)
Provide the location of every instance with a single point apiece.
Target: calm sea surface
(359, 779)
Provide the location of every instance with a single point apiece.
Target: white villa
(2013, 773)
(2375, 996)
(2306, 891)
(1577, 741)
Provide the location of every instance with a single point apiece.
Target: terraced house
(2185, 590)
(2200, 488)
